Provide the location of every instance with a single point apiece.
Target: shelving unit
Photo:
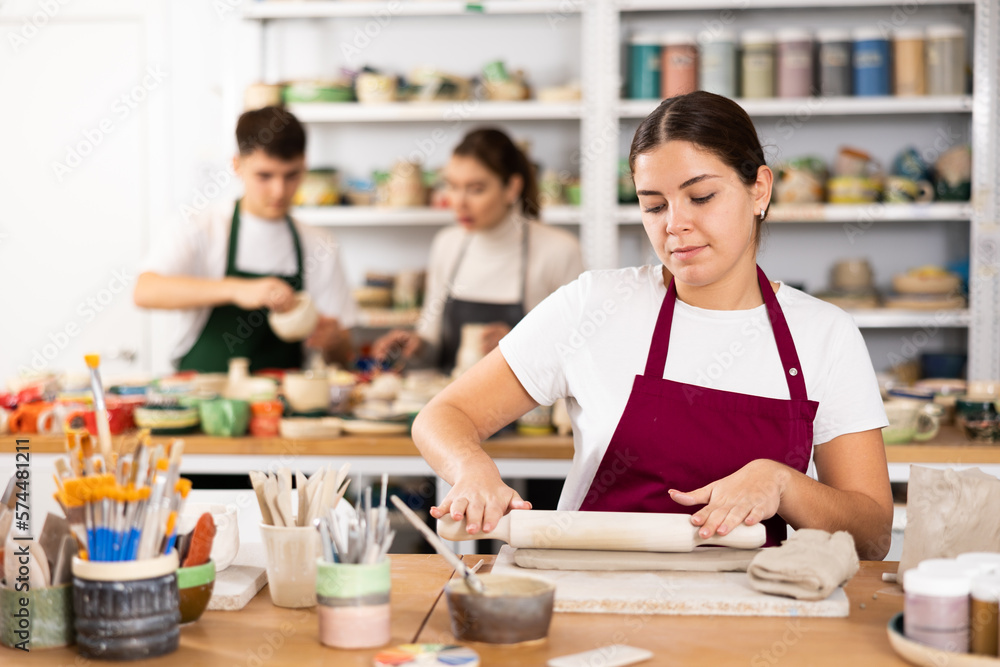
(402, 112)
(602, 113)
(826, 106)
(379, 216)
(844, 213)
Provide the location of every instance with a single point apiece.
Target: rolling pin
(602, 531)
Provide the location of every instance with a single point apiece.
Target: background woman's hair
(711, 122)
(495, 150)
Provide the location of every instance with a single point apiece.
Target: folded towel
(809, 565)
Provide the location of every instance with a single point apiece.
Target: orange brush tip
(162, 464)
(93, 360)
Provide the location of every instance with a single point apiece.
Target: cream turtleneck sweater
(491, 270)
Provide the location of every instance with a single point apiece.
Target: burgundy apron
(680, 436)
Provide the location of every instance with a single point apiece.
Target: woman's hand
(492, 333)
(397, 342)
(749, 495)
(482, 499)
(328, 334)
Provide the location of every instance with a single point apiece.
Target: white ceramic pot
(226, 544)
(298, 322)
(307, 392)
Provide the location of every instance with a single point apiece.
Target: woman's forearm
(449, 441)
(806, 503)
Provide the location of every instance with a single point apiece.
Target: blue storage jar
(644, 51)
(871, 62)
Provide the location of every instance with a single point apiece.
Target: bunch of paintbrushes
(365, 538)
(128, 513)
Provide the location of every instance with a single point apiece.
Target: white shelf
(826, 106)
(464, 110)
(379, 216)
(368, 8)
(862, 214)
(890, 318)
(682, 5)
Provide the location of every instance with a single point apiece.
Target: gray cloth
(949, 512)
(809, 565)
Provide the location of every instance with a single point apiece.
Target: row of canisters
(794, 62)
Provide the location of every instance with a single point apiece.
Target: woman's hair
(495, 151)
(713, 123)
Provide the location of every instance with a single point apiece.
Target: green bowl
(194, 587)
(311, 92)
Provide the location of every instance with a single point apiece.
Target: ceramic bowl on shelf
(977, 418)
(911, 283)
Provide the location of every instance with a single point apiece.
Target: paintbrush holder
(353, 604)
(126, 610)
(291, 564)
(40, 618)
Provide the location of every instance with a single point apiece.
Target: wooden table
(263, 635)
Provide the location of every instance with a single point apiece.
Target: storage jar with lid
(908, 62)
(758, 64)
(644, 67)
(871, 62)
(945, 60)
(717, 62)
(679, 65)
(936, 609)
(795, 63)
(836, 77)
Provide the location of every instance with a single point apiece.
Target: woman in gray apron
(492, 267)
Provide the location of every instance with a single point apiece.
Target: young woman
(497, 263)
(697, 386)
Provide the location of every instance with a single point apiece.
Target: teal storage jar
(644, 50)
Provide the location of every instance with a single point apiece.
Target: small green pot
(194, 586)
(49, 615)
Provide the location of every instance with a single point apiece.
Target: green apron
(234, 332)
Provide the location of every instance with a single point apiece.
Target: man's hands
(254, 293)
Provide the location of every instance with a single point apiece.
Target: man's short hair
(273, 130)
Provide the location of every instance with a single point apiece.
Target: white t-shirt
(492, 269)
(199, 247)
(589, 340)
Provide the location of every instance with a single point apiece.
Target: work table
(262, 634)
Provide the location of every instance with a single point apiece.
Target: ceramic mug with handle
(36, 417)
(911, 420)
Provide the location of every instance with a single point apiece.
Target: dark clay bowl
(513, 609)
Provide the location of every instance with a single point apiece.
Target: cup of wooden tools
(353, 576)
(291, 541)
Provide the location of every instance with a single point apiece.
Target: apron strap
(234, 240)
(783, 337)
(792, 370)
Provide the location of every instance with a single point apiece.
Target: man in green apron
(225, 268)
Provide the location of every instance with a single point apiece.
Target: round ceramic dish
(928, 656)
(365, 427)
(906, 283)
(511, 611)
(306, 427)
(167, 421)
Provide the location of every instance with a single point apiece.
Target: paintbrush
(100, 408)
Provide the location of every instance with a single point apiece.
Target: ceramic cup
(224, 417)
(910, 420)
(4, 421)
(977, 418)
(226, 544)
(298, 322)
(291, 564)
(902, 190)
(194, 587)
(852, 275)
(45, 622)
(126, 610)
(252, 389)
(353, 604)
(307, 392)
(37, 417)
